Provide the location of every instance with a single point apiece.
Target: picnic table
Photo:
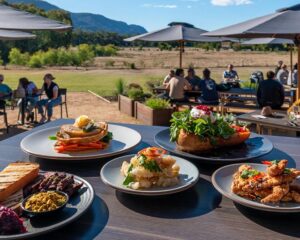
(278, 121)
(198, 213)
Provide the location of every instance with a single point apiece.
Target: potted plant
(133, 93)
(155, 111)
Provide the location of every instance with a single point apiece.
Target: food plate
(222, 180)
(255, 146)
(38, 144)
(111, 175)
(77, 205)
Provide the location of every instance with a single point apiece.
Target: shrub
(35, 61)
(63, 58)
(132, 66)
(157, 103)
(85, 53)
(135, 94)
(17, 58)
(50, 57)
(120, 86)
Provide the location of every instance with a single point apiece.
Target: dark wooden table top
(198, 213)
(280, 120)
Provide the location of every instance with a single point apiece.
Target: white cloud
(230, 2)
(159, 6)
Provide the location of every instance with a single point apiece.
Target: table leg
(269, 131)
(23, 111)
(258, 129)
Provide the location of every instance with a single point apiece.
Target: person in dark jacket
(53, 98)
(208, 88)
(270, 92)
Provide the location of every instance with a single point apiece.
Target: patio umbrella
(15, 35)
(273, 41)
(12, 19)
(284, 23)
(178, 32)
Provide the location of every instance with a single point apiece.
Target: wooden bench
(190, 105)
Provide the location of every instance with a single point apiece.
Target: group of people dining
(30, 96)
(177, 83)
(270, 92)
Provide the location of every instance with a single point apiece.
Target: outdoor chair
(3, 113)
(63, 93)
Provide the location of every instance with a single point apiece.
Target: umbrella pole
(298, 74)
(291, 58)
(180, 54)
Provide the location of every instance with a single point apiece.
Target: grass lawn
(102, 81)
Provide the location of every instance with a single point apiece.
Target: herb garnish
(52, 138)
(150, 165)
(287, 171)
(249, 173)
(129, 179)
(108, 137)
(204, 128)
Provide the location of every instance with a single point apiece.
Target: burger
(84, 134)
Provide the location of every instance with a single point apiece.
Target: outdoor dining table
(279, 121)
(198, 213)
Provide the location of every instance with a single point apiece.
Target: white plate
(222, 179)
(38, 144)
(111, 175)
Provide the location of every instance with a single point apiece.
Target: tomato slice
(152, 151)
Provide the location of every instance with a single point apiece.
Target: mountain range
(89, 21)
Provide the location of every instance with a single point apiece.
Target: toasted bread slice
(15, 177)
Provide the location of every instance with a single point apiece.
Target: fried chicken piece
(277, 169)
(278, 193)
(291, 196)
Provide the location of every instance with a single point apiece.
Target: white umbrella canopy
(15, 35)
(179, 32)
(284, 23)
(12, 19)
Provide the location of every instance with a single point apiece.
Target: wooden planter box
(152, 117)
(126, 105)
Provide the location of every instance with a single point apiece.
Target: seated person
(278, 67)
(193, 79)
(231, 77)
(270, 92)
(283, 75)
(209, 89)
(5, 90)
(53, 98)
(295, 76)
(29, 90)
(169, 77)
(177, 85)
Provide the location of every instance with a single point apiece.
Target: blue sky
(155, 14)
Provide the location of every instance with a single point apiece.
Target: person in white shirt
(293, 76)
(282, 75)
